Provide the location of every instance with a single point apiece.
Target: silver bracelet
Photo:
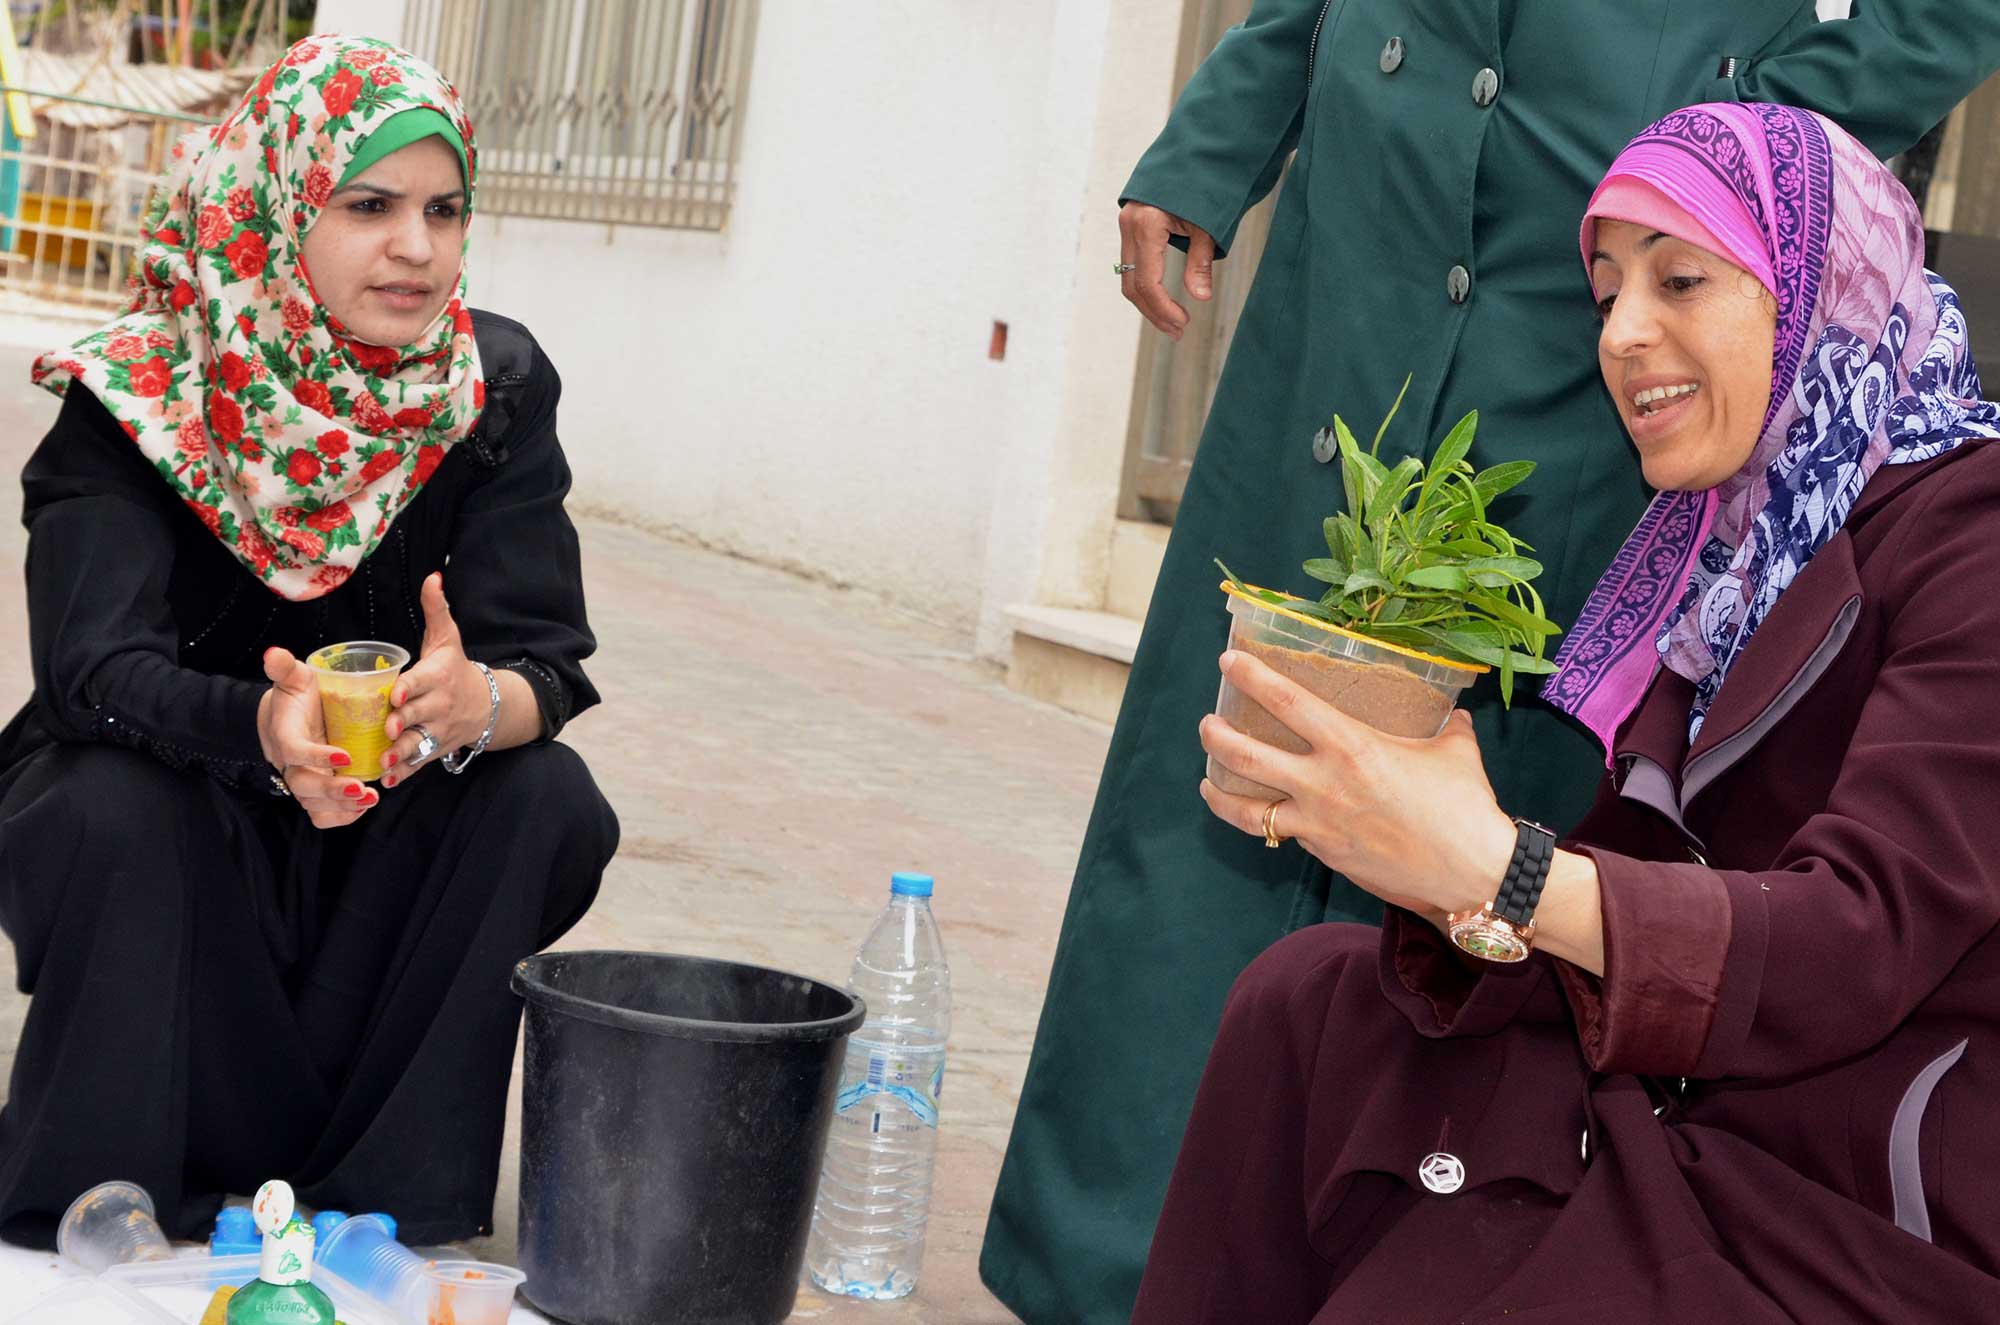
(454, 763)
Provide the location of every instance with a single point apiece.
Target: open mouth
(1658, 399)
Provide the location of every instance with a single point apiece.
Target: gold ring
(1271, 838)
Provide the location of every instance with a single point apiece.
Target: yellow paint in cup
(354, 684)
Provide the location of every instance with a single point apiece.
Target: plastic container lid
(178, 1291)
(910, 885)
(89, 1300)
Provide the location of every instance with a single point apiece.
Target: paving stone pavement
(774, 748)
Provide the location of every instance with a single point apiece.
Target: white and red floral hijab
(294, 443)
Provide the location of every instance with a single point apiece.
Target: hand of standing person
(1143, 232)
(292, 731)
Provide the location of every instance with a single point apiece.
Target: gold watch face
(1486, 936)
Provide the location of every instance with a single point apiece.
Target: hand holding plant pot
(1409, 820)
(1423, 594)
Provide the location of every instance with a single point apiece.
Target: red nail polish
(389, 759)
(351, 789)
(388, 779)
(372, 799)
(338, 760)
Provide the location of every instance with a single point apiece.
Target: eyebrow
(1601, 256)
(392, 194)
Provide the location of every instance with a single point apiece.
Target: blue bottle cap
(326, 1221)
(235, 1233)
(910, 885)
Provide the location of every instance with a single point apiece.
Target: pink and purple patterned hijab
(1870, 367)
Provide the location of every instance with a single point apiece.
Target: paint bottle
(282, 1290)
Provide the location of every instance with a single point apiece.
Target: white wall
(811, 386)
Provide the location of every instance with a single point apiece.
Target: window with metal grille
(628, 112)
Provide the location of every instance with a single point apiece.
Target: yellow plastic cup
(354, 683)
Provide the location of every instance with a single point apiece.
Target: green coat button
(1458, 284)
(1392, 55)
(1325, 446)
(1485, 88)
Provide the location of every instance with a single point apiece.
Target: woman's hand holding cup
(292, 731)
(442, 692)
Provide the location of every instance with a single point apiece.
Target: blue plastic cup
(366, 1254)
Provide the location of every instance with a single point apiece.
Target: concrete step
(1075, 659)
(1079, 660)
(1137, 547)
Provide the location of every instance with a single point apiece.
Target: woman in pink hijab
(1729, 1052)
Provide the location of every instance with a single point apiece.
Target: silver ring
(1120, 268)
(426, 743)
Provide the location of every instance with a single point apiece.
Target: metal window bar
(70, 227)
(624, 112)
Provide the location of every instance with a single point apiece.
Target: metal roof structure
(101, 94)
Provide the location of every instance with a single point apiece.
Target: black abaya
(222, 993)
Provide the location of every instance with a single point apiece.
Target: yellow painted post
(16, 125)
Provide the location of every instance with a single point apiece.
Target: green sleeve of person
(1234, 124)
(1888, 73)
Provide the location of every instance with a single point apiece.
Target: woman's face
(383, 255)
(1686, 352)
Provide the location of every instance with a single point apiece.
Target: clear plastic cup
(111, 1224)
(470, 1293)
(362, 1251)
(354, 683)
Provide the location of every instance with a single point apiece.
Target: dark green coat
(1400, 177)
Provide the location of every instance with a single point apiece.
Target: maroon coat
(1800, 919)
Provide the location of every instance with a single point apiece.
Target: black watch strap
(1521, 891)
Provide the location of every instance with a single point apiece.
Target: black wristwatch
(1503, 930)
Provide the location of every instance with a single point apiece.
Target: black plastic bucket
(674, 1115)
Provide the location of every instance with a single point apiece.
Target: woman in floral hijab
(296, 441)
(244, 962)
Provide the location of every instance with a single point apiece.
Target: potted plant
(1423, 593)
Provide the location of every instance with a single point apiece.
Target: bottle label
(899, 1079)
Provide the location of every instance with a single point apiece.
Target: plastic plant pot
(1393, 689)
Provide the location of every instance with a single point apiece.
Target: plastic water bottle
(875, 1189)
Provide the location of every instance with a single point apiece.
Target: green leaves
(1327, 570)
(1452, 578)
(1492, 482)
(1414, 561)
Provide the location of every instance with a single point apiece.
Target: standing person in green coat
(1428, 229)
